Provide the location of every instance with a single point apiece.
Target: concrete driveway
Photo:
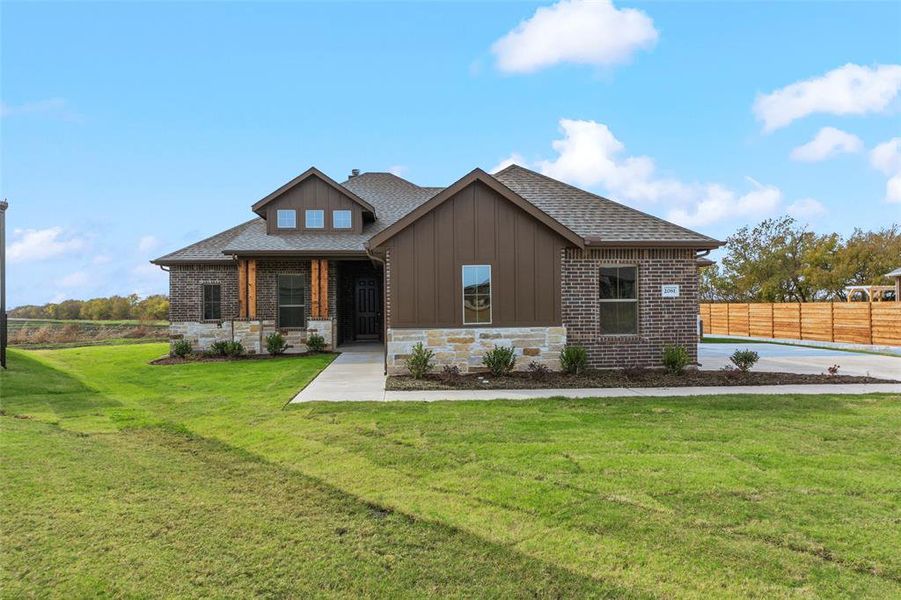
(798, 359)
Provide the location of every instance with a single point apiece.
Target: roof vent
(354, 172)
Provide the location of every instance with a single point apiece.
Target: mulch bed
(614, 379)
(198, 358)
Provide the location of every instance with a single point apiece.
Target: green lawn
(196, 479)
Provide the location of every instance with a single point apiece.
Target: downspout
(382, 261)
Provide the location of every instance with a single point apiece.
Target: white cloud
(848, 90)
(102, 259)
(886, 157)
(576, 31)
(513, 159)
(41, 244)
(50, 106)
(148, 243)
(76, 279)
(398, 170)
(720, 203)
(806, 208)
(590, 156)
(828, 142)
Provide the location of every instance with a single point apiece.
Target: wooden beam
(314, 291)
(242, 288)
(252, 288)
(323, 288)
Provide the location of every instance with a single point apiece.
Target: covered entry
(360, 302)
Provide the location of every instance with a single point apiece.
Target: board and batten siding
(313, 193)
(477, 226)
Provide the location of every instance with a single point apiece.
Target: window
(619, 300)
(212, 302)
(476, 294)
(315, 219)
(341, 219)
(286, 219)
(290, 301)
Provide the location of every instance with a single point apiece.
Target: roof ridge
(605, 199)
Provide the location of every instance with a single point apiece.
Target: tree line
(782, 261)
(153, 308)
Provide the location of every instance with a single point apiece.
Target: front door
(367, 309)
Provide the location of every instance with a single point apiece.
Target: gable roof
(583, 218)
(447, 193)
(311, 172)
(600, 221)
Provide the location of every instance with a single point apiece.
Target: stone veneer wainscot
(464, 347)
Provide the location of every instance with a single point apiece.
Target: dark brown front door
(367, 309)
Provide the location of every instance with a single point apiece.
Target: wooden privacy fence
(854, 322)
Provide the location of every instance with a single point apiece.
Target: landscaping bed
(200, 358)
(613, 379)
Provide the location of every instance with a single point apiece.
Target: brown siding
(475, 226)
(315, 194)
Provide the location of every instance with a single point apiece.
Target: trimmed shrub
(833, 370)
(226, 348)
(500, 360)
(420, 361)
(315, 342)
(675, 359)
(181, 348)
(538, 371)
(276, 344)
(574, 360)
(744, 359)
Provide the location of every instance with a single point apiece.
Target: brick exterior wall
(186, 290)
(661, 321)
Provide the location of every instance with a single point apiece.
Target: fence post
(832, 321)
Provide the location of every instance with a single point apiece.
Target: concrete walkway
(357, 374)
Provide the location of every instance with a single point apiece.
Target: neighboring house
(896, 275)
(515, 258)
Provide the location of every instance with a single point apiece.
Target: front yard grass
(196, 479)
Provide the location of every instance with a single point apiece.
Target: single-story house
(896, 275)
(514, 258)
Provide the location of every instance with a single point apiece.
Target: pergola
(896, 275)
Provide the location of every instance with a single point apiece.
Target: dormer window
(315, 219)
(342, 219)
(286, 219)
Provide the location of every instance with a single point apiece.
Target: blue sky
(133, 129)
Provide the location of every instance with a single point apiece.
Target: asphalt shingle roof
(591, 216)
(588, 215)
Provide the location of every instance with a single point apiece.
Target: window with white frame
(618, 300)
(286, 218)
(476, 294)
(342, 219)
(290, 301)
(315, 218)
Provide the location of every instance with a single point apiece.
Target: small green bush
(450, 373)
(420, 361)
(181, 348)
(744, 359)
(315, 342)
(574, 360)
(500, 360)
(226, 348)
(675, 359)
(276, 344)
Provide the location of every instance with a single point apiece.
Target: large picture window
(212, 302)
(290, 301)
(476, 294)
(619, 300)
